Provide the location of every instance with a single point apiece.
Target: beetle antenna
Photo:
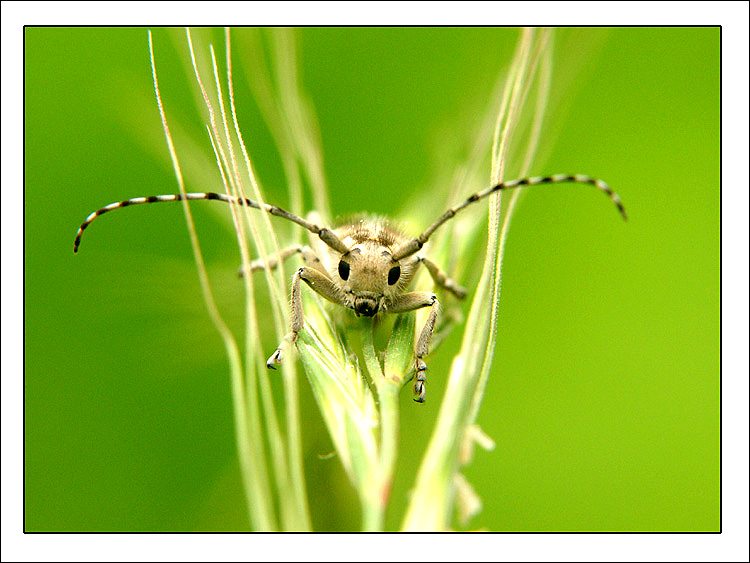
(409, 248)
(326, 235)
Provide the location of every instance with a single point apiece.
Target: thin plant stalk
(222, 163)
(297, 474)
(293, 502)
(545, 80)
(253, 350)
(289, 480)
(276, 444)
(252, 468)
(433, 497)
(289, 484)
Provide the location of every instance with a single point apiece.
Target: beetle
(364, 265)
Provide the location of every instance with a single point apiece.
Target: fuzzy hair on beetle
(364, 265)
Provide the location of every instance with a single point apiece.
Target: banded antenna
(409, 248)
(326, 235)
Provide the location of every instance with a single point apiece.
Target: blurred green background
(604, 397)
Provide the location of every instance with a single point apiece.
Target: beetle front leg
(409, 302)
(322, 285)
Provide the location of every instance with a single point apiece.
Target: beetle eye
(394, 274)
(344, 270)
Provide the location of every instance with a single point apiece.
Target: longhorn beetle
(366, 266)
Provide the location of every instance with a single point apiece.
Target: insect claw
(419, 381)
(419, 389)
(274, 359)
